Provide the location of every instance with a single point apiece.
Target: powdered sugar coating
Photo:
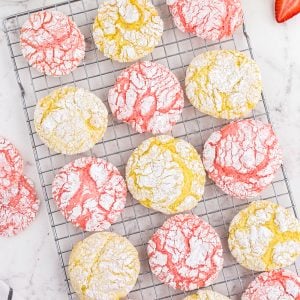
(166, 174)
(105, 265)
(148, 96)
(243, 157)
(274, 285)
(11, 163)
(185, 253)
(18, 205)
(70, 120)
(126, 30)
(52, 43)
(208, 19)
(206, 295)
(90, 192)
(264, 236)
(223, 83)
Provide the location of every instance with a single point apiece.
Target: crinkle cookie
(166, 174)
(185, 253)
(70, 120)
(223, 83)
(19, 205)
(52, 43)
(274, 285)
(11, 162)
(105, 265)
(127, 30)
(208, 19)
(148, 96)
(264, 236)
(242, 158)
(90, 192)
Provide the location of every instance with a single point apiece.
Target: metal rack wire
(137, 223)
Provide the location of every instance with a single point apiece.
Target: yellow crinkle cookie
(70, 120)
(166, 174)
(264, 236)
(127, 30)
(103, 266)
(224, 83)
(206, 295)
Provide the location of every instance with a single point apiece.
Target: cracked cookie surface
(90, 192)
(208, 19)
(126, 30)
(11, 163)
(19, 205)
(242, 158)
(52, 43)
(166, 174)
(274, 285)
(223, 83)
(185, 253)
(104, 265)
(70, 120)
(264, 236)
(148, 96)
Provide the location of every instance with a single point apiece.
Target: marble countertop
(28, 262)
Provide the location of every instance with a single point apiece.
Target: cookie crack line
(243, 157)
(90, 192)
(185, 252)
(256, 233)
(279, 237)
(56, 40)
(276, 284)
(126, 30)
(95, 262)
(70, 120)
(148, 96)
(223, 83)
(104, 265)
(206, 19)
(52, 43)
(186, 173)
(245, 177)
(169, 159)
(19, 205)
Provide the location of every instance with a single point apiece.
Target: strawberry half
(286, 9)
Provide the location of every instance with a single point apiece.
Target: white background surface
(29, 262)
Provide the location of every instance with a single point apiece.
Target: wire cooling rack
(137, 223)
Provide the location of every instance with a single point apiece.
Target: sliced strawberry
(286, 9)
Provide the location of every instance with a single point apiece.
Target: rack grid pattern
(137, 223)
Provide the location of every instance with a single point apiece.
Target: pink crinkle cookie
(90, 193)
(274, 285)
(11, 163)
(185, 253)
(18, 205)
(148, 96)
(52, 43)
(242, 158)
(208, 19)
